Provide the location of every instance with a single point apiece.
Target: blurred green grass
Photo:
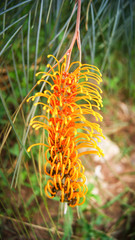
(107, 41)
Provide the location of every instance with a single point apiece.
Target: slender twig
(35, 226)
(76, 36)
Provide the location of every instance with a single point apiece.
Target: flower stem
(76, 36)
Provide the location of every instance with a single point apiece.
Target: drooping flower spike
(72, 95)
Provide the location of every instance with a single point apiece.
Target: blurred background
(29, 31)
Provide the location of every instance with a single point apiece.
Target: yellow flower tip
(38, 82)
(30, 123)
(65, 121)
(101, 153)
(49, 56)
(69, 118)
(48, 65)
(81, 111)
(69, 90)
(62, 138)
(29, 148)
(75, 132)
(80, 64)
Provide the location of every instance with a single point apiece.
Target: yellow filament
(36, 144)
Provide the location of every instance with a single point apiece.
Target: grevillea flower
(72, 95)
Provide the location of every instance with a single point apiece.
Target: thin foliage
(29, 31)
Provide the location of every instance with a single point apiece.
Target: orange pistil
(66, 119)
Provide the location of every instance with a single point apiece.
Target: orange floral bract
(71, 96)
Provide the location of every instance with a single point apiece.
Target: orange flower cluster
(70, 96)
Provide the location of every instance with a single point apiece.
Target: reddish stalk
(76, 36)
